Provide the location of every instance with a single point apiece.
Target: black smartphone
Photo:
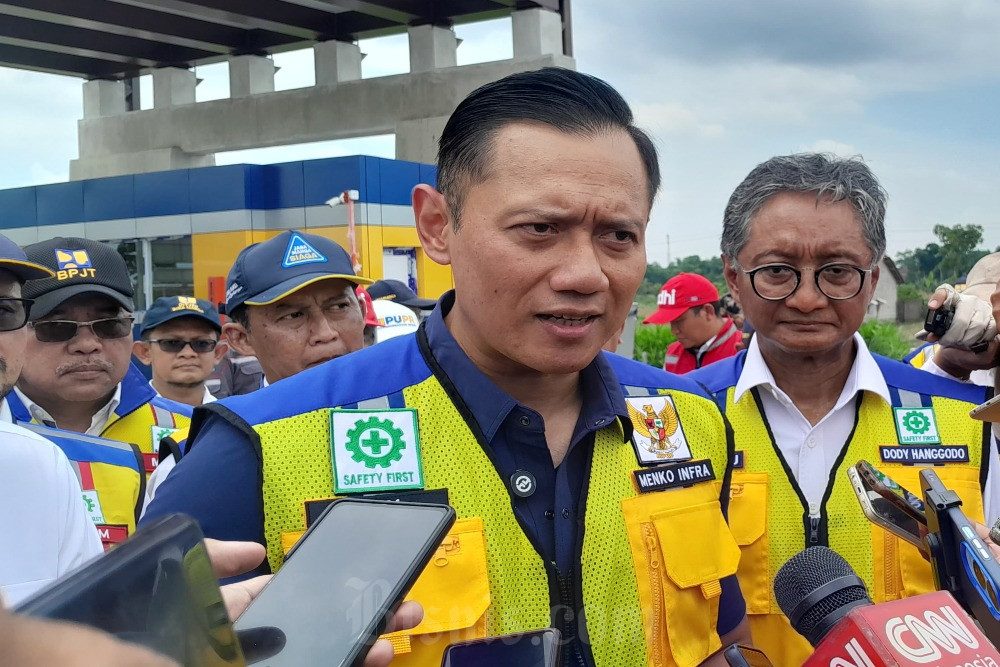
(156, 589)
(348, 571)
(895, 493)
(938, 321)
(885, 512)
(541, 648)
(744, 656)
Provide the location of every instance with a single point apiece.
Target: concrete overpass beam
(336, 62)
(537, 32)
(173, 87)
(250, 75)
(432, 47)
(102, 97)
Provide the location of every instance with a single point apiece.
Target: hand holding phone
(348, 571)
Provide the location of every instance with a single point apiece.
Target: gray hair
(832, 178)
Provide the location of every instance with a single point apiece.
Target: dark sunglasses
(14, 313)
(175, 345)
(60, 331)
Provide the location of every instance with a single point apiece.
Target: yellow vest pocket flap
(694, 562)
(454, 588)
(748, 506)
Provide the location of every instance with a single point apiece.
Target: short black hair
(569, 101)
(241, 315)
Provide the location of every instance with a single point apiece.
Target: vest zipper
(568, 601)
(656, 590)
(814, 522)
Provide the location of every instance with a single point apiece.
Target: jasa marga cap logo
(300, 251)
(72, 263)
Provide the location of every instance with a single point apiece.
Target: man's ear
(140, 350)
(730, 272)
(433, 220)
(238, 338)
(221, 348)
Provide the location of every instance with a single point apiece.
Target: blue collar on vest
(720, 375)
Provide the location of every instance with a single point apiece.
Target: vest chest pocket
(454, 590)
(748, 524)
(914, 575)
(678, 576)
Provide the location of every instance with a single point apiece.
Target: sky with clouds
(911, 85)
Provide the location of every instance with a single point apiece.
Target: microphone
(828, 604)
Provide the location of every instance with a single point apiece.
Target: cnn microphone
(828, 604)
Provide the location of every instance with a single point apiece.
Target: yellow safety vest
(651, 562)
(110, 475)
(768, 515)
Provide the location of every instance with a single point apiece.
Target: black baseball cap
(168, 308)
(81, 266)
(398, 292)
(13, 259)
(271, 270)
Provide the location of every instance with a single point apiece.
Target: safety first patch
(158, 433)
(375, 450)
(916, 426)
(657, 433)
(673, 475)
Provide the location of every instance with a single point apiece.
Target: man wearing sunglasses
(802, 239)
(79, 375)
(180, 342)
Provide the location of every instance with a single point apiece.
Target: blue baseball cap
(271, 270)
(168, 308)
(13, 259)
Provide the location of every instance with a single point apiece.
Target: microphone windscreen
(803, 591)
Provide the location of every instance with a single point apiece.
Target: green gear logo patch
(375, 450)
(916, 422)
(916, 426)
(375, 442)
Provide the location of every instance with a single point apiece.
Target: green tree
(958, 249)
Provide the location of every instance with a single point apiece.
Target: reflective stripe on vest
(768, 513)
(297, 466)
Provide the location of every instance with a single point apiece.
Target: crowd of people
(498, 398)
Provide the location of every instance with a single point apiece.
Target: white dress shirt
(47, 531)
(97, 423)
(207, 398)
(811, 451)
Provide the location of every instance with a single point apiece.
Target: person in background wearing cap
(291, 303)
(503, 405)
(179, 340)
(398, 292)
(802, 241)
(689, 303)
(394, 320)
(46, 524)
(79, 376)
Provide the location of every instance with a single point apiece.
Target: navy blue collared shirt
(551, 515)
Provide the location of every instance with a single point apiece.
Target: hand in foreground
(973, 322)
(230, 559)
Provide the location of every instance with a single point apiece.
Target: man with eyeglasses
(802, 239)
(179, 341)
(78, 375)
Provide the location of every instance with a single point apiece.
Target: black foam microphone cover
(816, 588)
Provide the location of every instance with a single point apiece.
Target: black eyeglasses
(14, 313)
(60, 331)
(175, 345)
(777, 282)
